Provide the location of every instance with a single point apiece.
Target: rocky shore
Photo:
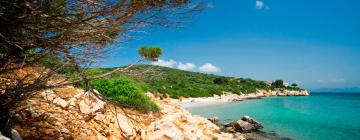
(71, 113)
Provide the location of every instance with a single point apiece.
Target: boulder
(241, 126)
(60, 102)
(149, 94)
(84, 108)
(245, 125)
(214, 120)
(125, 125)
(250, 120)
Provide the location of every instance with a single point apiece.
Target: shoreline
(231, 97)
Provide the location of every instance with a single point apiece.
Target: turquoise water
(321, 116)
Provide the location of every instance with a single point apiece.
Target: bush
(278, 84)
(124, 92)
(221, 81)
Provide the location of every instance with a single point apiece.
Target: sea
(321, 116)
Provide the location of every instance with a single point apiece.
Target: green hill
(178, 83)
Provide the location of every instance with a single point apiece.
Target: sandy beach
(216, 99)
(230, 97)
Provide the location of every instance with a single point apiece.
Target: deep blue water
(321, 116)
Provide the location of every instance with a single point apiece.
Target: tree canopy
(150, 53)
(278, 83)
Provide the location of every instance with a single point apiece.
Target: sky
(315, 44)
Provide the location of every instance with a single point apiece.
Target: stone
(230, 129)
(60, 102)
(149, 94)
(214, 120)
(125, 125)
(250, 120)
(48, 95)
(241, 126)
(245, 125)
(33, 113)
(84, 108)
(100, 118)
(93, 103)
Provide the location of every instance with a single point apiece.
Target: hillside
(178, 83)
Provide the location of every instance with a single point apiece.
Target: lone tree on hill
(150, 53)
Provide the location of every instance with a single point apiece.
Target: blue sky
(313, 43)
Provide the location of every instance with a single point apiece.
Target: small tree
(278, 83)
(221, 81)
(294, 85)
(150, 53)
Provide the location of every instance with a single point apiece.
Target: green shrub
(278, 84)
(221, 80)
(124, 92)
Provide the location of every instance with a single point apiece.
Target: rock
(149, 94)
(100, 118)
(250, 120)
(48, 95)
(241, 126)
(94, 102)
(32, 113)
(230, 129)
(15, 135)
(125, 125)
(60, 102)
(84, 108)
(214, 120)
(245, 125)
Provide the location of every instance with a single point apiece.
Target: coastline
(231, 97)
(79, 115)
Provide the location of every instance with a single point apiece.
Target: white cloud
(259, 4)
(209, 68)
(186, 66)
(164, 63)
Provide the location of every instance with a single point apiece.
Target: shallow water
(321, 116)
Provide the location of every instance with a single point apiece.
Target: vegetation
(278, 84)
(67, 36)
(178, 83)
(124, 92)
(150, 53)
